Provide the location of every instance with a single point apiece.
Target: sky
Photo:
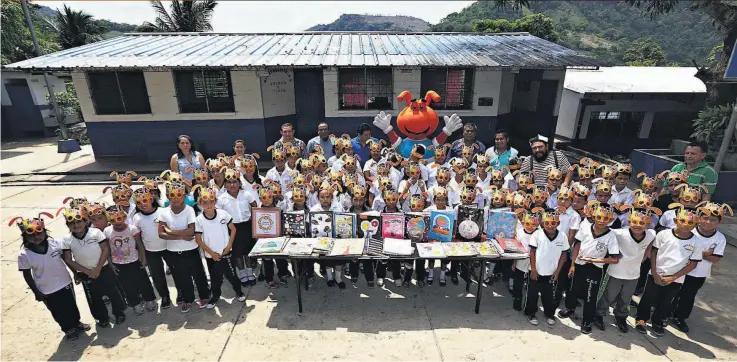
(269, 16)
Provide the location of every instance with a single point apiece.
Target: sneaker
(165, 303)
(283, 281)
(442, 282)
(261, 278)
(586, 327)
(370, 283)
(532, 319)
(186, 307)
(331, 283)
(104, 324)
(354, 280)
(138, 309)
(429, 281)
(274, 285)
(211, 303)
(454, 279)
(120, 319)
(379, 282)
(251, 280)
(180, 299)
(641, 326)
(658, 330)
(622, 324)
(83, 327)
(550, 321)
(242, 298)
(398, 282)
(72, 334)
(681, 325)
(406, 284)
(565, 313)
(517, 305)
(420, 283)
(341, 285)
(201, 304)
(599, 323)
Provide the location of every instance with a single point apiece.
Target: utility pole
(59, 115)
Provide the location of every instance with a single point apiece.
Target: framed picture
(321, 224)
(344, 225)
(266, 222)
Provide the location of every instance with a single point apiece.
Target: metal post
(59, 115)
(728, 134)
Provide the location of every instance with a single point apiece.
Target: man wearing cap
(542, 158)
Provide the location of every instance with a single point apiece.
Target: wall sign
(486, 101)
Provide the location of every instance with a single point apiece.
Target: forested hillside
(355, 22)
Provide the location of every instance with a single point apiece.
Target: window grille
(118, 93)
(204, 91)
(365, 88)
(454, 85)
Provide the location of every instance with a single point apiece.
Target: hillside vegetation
(355, 22)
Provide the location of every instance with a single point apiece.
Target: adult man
(360, 147)
(287, 136)
(541, 159)
(501, 153)
(699, 171)
(323, 139)
(468, 140)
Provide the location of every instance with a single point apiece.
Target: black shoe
(622, 324)
(517, 307)
(165, 303)
(658, 330)
(341, 285)
(331, 283)
(354, 280)
(586, 327)
(565, 313)
(681, 325)
(641, 326)
(72, 334)
(370, 283)
(420, 283)
(283, 281)
(405, 284)
(83, 327)
(180, 299)
(260, 278)
(454, 279)
(429, 281)
(599, 323)
(105, 324)
(120, 319)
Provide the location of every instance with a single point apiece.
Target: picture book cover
(295, 224)
(344, 225)
(510, 246)
(470, 223)
(268, 246)
(369, 225)
(417, 226)
(441, 226)
(500, 224)
(459, 249)
(321, 224)
(430, 250)
(323, 245)
(392, 226)
(299, 246)
(266, 222)
(347, 247)
(398, 247)
(486, 249)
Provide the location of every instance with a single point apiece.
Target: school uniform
(674, 254)
(248, 187)
(432, 173)
(284, 178)
(52, 279)
(337, 165)
(684, 301)
(214, 232)
(155, 249)
(220, 189)
(521, 268)
(588, 276)
(570, 220)
(668, 220)
(370, 166)
(368, 265)
(621, 278)
(185, 255)
(131, 273)
(547, 257)
(239, 208)
(509, 182)
(396, 177)
(624, 197)
(86, 252)
(414, 189)
(552, 201)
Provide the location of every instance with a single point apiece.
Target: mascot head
(417, 120)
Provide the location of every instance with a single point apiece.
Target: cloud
(269, 16)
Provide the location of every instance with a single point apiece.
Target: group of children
(588, 240)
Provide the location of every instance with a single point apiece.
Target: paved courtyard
(388, 323)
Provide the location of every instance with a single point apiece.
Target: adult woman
(187, 159)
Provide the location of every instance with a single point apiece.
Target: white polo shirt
(668, 220)
(370, 166)
(675, 253)
(524, 238)
(547, 251)
(86, 251)
(238, 207)
(717, 243)
(48, 270)
(175, 222)
(432, 173)
(413, 189)
(622, 197)
(632, 251)
(595, 247)
(283, 178)
(570, 220)
(149, 226)
(214, 231)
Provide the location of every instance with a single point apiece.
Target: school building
(139, 91)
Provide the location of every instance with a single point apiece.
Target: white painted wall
(277, 92)
(634, 105)
(570, 105)
(37, 87)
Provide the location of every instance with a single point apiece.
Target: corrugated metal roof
(634, 80)
(142, 50)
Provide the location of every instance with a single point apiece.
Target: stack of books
(374, 247)
(347, 247)
(487, 249)
(398, 247)
(430, 250)
(323, 245)
(268, 246)
(299, 246)
(510, 247)
(459, 249)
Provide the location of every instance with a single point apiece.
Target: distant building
(139, 91)
(616, 109)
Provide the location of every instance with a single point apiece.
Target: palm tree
(184, 16)
(76, 28)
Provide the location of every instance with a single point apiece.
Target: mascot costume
(417, 121)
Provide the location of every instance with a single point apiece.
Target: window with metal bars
(615, 124)
(118, 92)
(365, 88)
(454, 85)
(204, 91)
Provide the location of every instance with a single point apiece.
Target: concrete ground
(358, 323)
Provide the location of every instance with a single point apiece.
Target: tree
(15, 39)
(186, 16)
(644, 52)
(77, 28)
(492, 26)
(538, 25)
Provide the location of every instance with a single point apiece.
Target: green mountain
(604, 29)
(113, 29)
(355, 22)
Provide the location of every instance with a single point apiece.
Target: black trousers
(683, 303)
(544, 287)
(368, 269)
(381, 268)
(63, 307)
(155, 261)
(586, 283)
(243, 242)
(420, 272)
(644, 272)
(218, 269)
(659, 296)
(564, 282)
(135, 282)
(519, 278)
(504, 268)
(104, 284)
(282, 266)
(187, 266)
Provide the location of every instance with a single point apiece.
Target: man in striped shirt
(541, 159)
(699, 171)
